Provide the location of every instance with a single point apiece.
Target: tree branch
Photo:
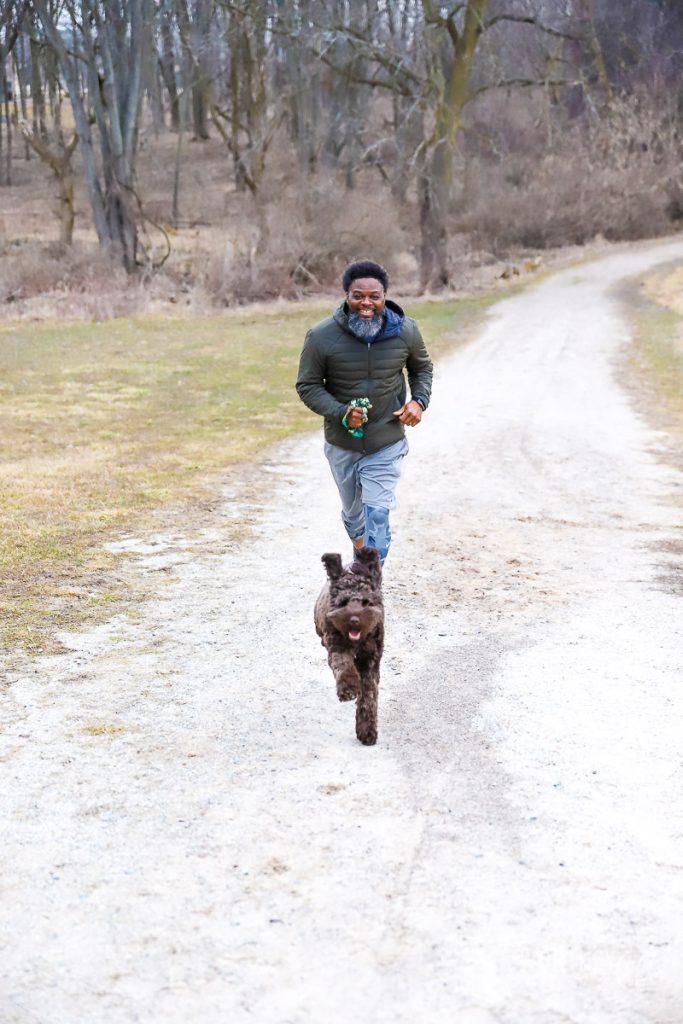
(524, 83)
(394, 63)
(348, 73)
(524, 19)
(434, 17)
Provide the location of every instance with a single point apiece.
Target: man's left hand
(410, 414)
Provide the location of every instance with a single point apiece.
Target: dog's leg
(366, 708)
(345, 673)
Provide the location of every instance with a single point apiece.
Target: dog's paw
(348, 685)
(367, 735)
(347, 692)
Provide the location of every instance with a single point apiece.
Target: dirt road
(191, 832)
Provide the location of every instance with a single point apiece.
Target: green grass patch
(101, 423)
(659, 334)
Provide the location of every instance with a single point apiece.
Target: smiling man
(351, 372)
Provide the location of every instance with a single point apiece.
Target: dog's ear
(333, 564)
(369, 558)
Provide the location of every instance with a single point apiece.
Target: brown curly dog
(349, 619)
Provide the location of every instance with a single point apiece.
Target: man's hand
(410, 413)
(354, 417)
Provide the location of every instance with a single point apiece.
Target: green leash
(357, 403)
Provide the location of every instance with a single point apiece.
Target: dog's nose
(354, 621)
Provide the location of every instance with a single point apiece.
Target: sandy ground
(191, 832)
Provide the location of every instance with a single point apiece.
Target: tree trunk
(434, 194)
(66, 207)
(175, 205)
(58, 159)
(37, 95)
(450, 72)
(8, 124)
(596, 47)
(21, 71)
(409, 139)
(194, 32)
(168, 73)
(304, 82)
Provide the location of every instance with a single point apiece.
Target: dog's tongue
(354, 634)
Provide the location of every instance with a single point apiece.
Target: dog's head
(355, 594)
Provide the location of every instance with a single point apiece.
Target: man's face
(366, 297)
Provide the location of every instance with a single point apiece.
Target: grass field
(658, 335)
(101, 423)
(658, 317)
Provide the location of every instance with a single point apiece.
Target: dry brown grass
(103, 425)
(653, 369)
(666, 288)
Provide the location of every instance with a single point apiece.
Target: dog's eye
(365, 602)
(344, 601)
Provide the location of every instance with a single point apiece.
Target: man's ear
(333, 565)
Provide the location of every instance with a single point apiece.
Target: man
(358, 354)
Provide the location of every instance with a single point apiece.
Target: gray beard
(364, 328)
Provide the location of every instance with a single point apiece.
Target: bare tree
(166, 55)
(11, 15)
(450, 45)
(107, 42)
(194, 22)
(57, 152)
(248, 126)
(431, 63)
(361, 83)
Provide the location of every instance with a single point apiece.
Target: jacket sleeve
(420, 369)
(310, 383)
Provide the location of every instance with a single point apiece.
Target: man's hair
(364, 268)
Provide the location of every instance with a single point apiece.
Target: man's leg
(345, 473)
(377, 530)
(379, 475)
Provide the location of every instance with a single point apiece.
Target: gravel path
(191, 832)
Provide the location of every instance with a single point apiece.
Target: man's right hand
(354, 417)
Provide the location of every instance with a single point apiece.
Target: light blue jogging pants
(367, 488)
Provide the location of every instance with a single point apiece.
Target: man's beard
(365, 327)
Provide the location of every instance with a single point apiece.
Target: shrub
(614, 175)
(312, 235)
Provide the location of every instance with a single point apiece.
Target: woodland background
(218, 152)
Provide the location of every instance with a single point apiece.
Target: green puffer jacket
(336, 366)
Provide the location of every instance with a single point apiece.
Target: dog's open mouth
(354, 634)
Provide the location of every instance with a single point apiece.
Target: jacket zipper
(369, 345)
